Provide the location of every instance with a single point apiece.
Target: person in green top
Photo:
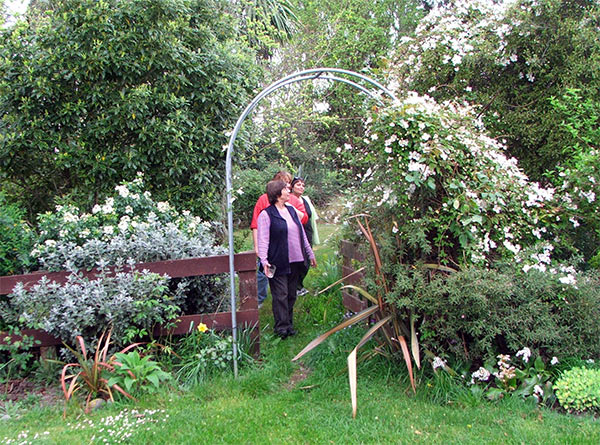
(310, 227)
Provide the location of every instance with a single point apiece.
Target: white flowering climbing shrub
(444, 190)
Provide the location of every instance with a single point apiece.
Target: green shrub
(16, 239)
(443, 191)
(132, 303)
(137, 374)
(16, 357)
(149, 85)
(248, 185)
(578, 390)
(474, 314)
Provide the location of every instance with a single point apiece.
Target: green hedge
(475, 314)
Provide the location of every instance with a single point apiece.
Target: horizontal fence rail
(244, 266)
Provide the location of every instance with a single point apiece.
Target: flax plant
(397, 328)
(88, 374)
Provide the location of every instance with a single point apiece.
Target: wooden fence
(244, 265)
(352, 257)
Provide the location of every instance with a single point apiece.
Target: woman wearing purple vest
(282, 246)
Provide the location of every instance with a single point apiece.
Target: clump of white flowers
(128, 225)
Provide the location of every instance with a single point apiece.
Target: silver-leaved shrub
(124, 229)
(128, 225)
(131, 302)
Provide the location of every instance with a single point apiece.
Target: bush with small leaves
(16, 239)
(475, 314)
(578, 390)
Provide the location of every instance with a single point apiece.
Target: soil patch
(298, 376)
(22, 389)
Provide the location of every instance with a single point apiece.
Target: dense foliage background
(93, 92)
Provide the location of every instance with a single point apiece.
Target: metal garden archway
(333, 74)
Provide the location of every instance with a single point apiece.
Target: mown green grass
(267, 404)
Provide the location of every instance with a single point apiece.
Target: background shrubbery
(116, 87)
(16, 239)
(474, 314)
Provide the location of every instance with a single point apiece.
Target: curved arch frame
(331, 74)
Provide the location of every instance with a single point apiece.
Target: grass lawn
(277, 401)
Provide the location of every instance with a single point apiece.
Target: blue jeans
(262, 283)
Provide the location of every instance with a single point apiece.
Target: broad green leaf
(439, 267)
(361, 291)
(153, 378)
(341, 280)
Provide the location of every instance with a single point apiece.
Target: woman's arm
(309, 251)
(262, 237)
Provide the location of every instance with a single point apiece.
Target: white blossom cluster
(127, 226)
(453, 31)
(495, 202)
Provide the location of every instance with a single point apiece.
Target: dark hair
(297, 179)
(274, 189)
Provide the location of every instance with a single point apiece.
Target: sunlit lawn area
(277, 401)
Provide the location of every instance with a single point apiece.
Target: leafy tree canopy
(99, 90)
(308, 124)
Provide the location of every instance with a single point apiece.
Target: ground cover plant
(203, 353)
(578, 390)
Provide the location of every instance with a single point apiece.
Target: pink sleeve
(263, 232)
(311, 254)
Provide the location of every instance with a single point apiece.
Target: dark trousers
(303, 274)
(283, 292)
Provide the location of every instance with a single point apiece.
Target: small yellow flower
(202, 327)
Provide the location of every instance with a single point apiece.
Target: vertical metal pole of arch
(310, 74)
